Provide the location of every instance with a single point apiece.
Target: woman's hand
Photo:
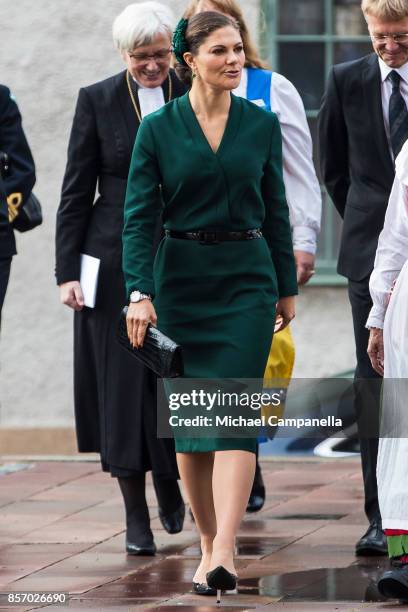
(71, 295)
(285, 312)
(138, 317)
(376, 349)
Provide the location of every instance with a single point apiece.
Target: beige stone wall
(48, 50)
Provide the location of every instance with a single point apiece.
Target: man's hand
(376, 349)
(71, 295)
(305, 263)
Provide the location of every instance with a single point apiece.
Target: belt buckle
(207, 238)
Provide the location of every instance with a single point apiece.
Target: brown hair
(199, 28)
(232, 8)
(388, 10)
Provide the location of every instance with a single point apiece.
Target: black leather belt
(215, 236)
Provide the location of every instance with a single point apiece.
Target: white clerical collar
(150, 98)
(385, 70)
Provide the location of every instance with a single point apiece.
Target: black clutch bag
(29, 216)
(158, 353)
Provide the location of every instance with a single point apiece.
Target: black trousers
(5, 264)
(367, 395)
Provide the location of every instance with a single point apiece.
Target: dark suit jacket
(356, 164)
(100, 148)
(21, 176)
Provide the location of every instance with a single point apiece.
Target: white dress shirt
(302, 187)
(392, 250)
(386, 91)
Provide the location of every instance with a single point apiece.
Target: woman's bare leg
(233, 475)
(196, 471)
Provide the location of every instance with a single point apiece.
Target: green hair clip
(180, 45)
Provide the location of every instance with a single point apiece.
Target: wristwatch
(137, 296)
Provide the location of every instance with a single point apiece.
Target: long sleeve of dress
(142, 207)
(78, 190)
(302, 187)
(276, 227)
(392, 250)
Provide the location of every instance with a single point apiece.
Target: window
(303, 39)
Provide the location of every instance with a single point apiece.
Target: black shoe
(171, 505)
(393, 584)
(257, 497)
(141, 550)
(256, 500)
(173, 522)
(139, 536)
(221, 579)
(373, 543)
(201, 588)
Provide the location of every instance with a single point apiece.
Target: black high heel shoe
(201, 588)
(221, 579)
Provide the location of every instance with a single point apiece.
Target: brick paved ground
(61, 529)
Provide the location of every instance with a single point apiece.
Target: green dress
(217, 301)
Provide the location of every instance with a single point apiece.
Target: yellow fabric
(14, 201)
(281, 357)
(279, 368)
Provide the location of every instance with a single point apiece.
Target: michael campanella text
(262, 421)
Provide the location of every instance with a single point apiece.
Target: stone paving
(61, 529)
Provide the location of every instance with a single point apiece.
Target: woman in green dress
(211, 163)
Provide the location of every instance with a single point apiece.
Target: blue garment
(259, 86)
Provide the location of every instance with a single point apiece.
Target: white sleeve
(302, 187)
(392, 253)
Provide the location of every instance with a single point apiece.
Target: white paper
(89, 278)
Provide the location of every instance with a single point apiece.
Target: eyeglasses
(400, 38)
(144, 58)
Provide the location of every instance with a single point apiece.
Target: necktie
(398, 115)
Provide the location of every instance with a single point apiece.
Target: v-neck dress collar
(196, 132)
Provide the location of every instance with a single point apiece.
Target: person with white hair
(115, 397)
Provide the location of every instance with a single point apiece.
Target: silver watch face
(135, 296)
